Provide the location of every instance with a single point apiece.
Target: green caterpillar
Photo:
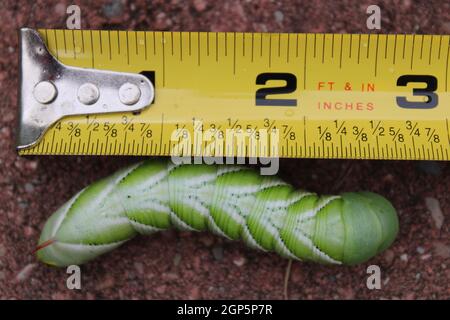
(232, 201)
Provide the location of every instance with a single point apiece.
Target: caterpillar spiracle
(232, 201)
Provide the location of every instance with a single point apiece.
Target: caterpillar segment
(231, 201)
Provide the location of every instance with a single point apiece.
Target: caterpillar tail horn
(231, 201)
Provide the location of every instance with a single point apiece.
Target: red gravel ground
(182, 265)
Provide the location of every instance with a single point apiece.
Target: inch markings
(373, 96)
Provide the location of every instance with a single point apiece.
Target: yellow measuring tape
(329, 95)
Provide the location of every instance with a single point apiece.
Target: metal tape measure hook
(50, 90)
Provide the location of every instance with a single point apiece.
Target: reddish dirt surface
(183, 265)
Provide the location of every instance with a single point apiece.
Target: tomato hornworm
(232, 201)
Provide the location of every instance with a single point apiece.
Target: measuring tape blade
(357, 96)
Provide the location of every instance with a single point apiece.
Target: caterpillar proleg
(231, 201)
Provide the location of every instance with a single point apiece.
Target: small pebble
(200, 5)
(60, 9)
(279, 16)
(29, 187)
(28, 231)
(407, 4)
(218, 252)
(23, 204)
(25, 272)
(239, 261)
(31, 165)
(420, 250)
(5, 132)
(404, 257)
(113, 9)
(162, 21)
(418, 276)
(434, 207)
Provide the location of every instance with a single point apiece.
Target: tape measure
(358, 96)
